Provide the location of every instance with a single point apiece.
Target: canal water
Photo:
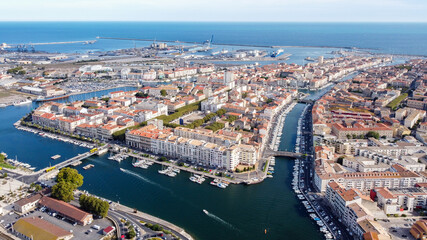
(238, 212)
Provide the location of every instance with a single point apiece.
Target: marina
(197, 178)
(171, 172)
(144, 164)
(55, 137)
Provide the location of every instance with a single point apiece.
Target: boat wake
(145, 179)
(218, 219)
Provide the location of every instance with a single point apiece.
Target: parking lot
(80, 232)
(399, 227)
(191, 117)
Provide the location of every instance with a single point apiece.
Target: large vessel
(43, 99)
(277, 53)
(22, 102)
(309, 59)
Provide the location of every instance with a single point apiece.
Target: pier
(51, 43)
(187, 42)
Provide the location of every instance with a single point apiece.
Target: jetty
(89, 166)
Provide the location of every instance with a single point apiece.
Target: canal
(238, 212)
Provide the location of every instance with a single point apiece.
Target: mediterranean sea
(395, 38)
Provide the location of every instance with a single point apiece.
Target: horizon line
(198, 21)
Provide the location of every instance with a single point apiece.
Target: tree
(131, 233)
(70, 175)
(94, 205)
(163, 93)
(37, 188)
(373, 134)
(162, 159)
(232, 118)
(141, 95)
(221, 112)
(63, 191)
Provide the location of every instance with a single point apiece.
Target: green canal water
(238, 212)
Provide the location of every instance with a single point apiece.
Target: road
(122, 212)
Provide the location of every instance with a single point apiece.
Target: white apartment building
(400, 200)
(196, 146)
(398, 177)
(347, 205)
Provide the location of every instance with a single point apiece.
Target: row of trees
(18, 70)
(396, 102)
(231, 118)
(121, 135)
(216, 126)
(370, 134)
(68, 180)
(207, 118)
(180, 112)
(94, 205)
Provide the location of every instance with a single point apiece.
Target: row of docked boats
(197, 178)
(16, 163)
(270, 170)
(144, 164)
(218, 183)
(57, 137)
(278, 126)
(299, 132)
(118, 157)
(170, 171)
(298, 184)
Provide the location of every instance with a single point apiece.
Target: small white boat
(205, 211)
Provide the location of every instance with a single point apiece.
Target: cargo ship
(43, 99)
(277, 53)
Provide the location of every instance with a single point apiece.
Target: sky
(216, 10)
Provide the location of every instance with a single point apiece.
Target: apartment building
(347, 205)
(397, 177)
(359, 128)
(400, 200)
(196, 146)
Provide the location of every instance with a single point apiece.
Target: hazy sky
(216, 10)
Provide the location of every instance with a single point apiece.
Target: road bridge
(39, 174)
(271, 153)
(306, 101)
